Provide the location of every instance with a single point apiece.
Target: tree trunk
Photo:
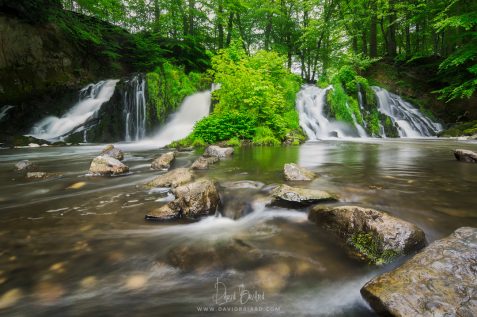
(392, 31)
(191, 16)
(373, 37)
(220, 24)
(230, 25)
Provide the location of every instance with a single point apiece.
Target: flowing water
(134, 108)
(91, 98)
(75, 245)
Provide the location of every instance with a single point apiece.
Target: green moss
(462, 129)
(265, 136)
(337, 100)
(234, 142)
(368, 245)
(372, 120)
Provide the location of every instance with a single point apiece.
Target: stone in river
(287, 196)
(164, 161)
(174, 178)
(294, 172)
(107, 165)
(217, 151)
(203, 163)
(441, 280)
(114, 152)
(165, 213)
(465, 156)
(196, 199)
(374, 234)
(25, 166)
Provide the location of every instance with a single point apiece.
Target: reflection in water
(78, 245)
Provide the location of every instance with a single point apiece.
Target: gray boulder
(465, 156)
(164, 161)
(298, 197)
(25, 166)
(202, 163)
(116, 153)
(441, 280)
(217, 151)
(196, 199)
(165, 213)
(294, 172)
(174, 178)
(107, 165)
(374, 235)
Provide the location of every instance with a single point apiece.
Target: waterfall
(134, 108)
(91, 98)
(311, 104)
(181, 123)
(4, 110)
(410, 122)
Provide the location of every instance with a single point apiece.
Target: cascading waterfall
(181, 123)
(4, 110)
(311, 103)
(134, 108)
(410, 122)
(91, 98)
(318, 124)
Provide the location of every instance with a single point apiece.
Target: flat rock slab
(374, 234)
(164, 161)
(174, 178)
(164, 213)
(465, 156)
(107, 165)
(293, 172)
(439, 281)
(217, 151)
(288, 196)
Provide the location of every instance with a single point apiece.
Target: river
(78, 245)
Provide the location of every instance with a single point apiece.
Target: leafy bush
(264, 136)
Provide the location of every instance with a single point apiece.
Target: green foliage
(373, 122)
(338, 101)
(368, 245)
(168, 85)
(462, 129)
(234, 142)
(225, 126)
(255, 90)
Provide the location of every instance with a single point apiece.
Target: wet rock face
(294, 172)
(196, 199)
(165, 213)
(164, 161)
(374, 234)
(465, 156)
(25, 166)
(217, 151)
(287, 196)
(174, 178)
(107, 165)
(439, 281)
(113, 152)
(37, 175)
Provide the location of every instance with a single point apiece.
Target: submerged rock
(38, 175)
(243, 185)
(439, 281)
(465, 156)
(164, 161)
(202, 163)
(374, 234)
(165, 213)
(299, 197)
(25, 166)
(107, 165)
(196, 199)
(294, 172)
(174, 178)
(114, 152)
(217, 151)
(206, 256)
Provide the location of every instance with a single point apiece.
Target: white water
(310, 104)
(135, 109)
(181, 123)
(411, 123)
(91, 99)
(4, 110)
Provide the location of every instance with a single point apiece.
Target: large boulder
(164, 161)
(439, 281)
(196, 199)
(465, 156)
(25, 166)
(217, 151)
(174, 178)
(202, 163)
(287, 196)
(373, 234)
(294, 172)
(114, 152)
(107, 165)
